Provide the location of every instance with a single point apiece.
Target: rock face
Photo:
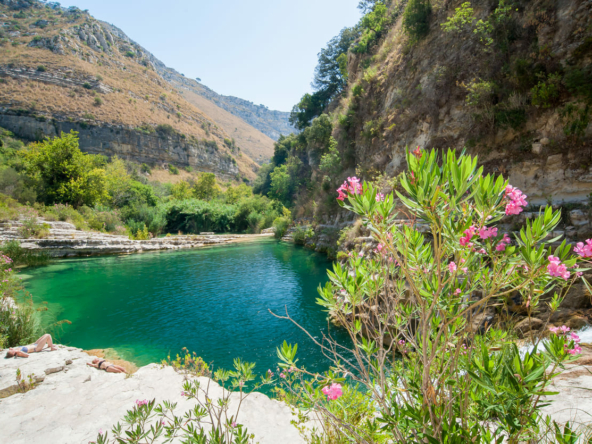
(127, 143)
(73, 401)
(65, 241)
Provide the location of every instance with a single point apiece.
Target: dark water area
(213, 301)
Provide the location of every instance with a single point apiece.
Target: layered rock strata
(127, 143)
(65, 241)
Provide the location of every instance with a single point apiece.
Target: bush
(21, 256)
(87, 85)
(416, 18)
(166, 130)
(98, 101)
(195, 216)
(173, 169)
(41, 68)
(146, 129)
(281, 225)
(423, 364)
(546, 93)
(32, 228)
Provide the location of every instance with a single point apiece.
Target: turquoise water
(213, 301)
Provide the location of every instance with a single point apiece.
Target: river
(214, 301)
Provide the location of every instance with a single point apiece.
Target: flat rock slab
(73, 401)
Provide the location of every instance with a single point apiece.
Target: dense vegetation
(55, 180)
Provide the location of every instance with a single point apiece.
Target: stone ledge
(73, 403)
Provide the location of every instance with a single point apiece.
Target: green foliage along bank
(55, 180)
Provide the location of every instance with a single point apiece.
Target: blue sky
(264, 51)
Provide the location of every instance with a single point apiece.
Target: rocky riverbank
(71, 401)
(64, 240)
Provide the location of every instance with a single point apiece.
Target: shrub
(416, 18)
(546, 93)
(32, 228)
(130, 54)
(145, 169)
(87, 85)
(195, 216)
(146, 129)
(41, 68)
(421, 364)
(166, 130)
(22, 256)
(281, 225)
(173, 169)
(98, 101)
(514, 118)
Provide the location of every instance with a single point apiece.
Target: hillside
(507, 80)
(243, 128)
(516, 90)
(269, 122)
(62, 69)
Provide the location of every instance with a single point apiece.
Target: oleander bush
(424, 367)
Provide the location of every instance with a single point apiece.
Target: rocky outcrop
(127, 143)
(56, 77)
(65, 241)
(71, 401)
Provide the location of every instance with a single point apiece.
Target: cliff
(510, 81)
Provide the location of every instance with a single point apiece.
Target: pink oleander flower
(282, 375)
(462, 261)
(183, 394)
(141, 403)
(379, 197)
(517, 200)
(554, 329)
(556, 268)
(575, 338)
(579, 274)
(100, 431)
(233, 424)
(486, 233)
(334, 392)
(270, 373)
(379, 247)
(584, 250)
(452, 267)
(500, 247)
(575, 351)
(481, 251)
(564, 329)
(457, 291)
(401, 342)
(464, 269)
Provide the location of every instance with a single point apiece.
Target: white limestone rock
(74, 401)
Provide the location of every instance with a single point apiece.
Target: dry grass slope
(140, 96)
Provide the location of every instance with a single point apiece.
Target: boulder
(578, 218)
(526, 325)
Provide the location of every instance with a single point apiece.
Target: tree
(329, 81)
(309, 107)
(280, 184)
(64, 174)
(329, 74)
(181, 191)
(416, 19)
(206, 187)
(235, 194)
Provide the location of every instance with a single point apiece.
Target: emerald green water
(213, 301)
